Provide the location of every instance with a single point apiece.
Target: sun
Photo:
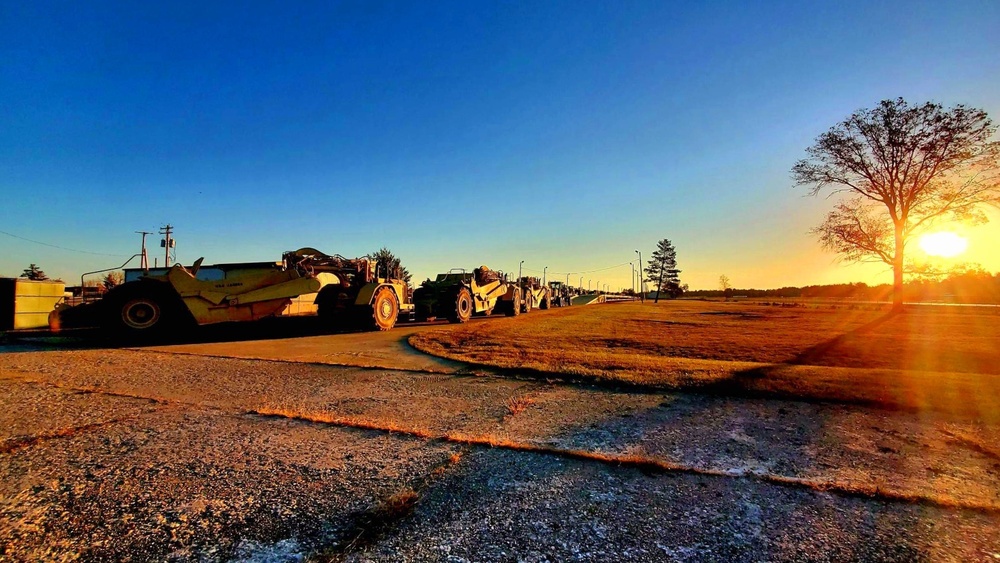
(944, 244)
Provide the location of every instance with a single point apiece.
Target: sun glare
(944, 244)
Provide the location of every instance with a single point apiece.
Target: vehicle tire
(544, 304)
(514, 307)
(385, 309)
(143, 312)
(462, 310)
(528, 303)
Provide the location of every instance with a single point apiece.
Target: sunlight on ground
(941, 359)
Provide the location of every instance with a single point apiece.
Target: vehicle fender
(367, 293)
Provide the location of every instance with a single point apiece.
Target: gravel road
(140, 455)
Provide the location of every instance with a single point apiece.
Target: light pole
(641, 288)
(567, 280)
(588, 286)
(519, 271)
(598, 286)
(580, 285)
(544, 273)
(633, 275)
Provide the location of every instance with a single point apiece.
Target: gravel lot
(140, 455)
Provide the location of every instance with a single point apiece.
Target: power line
(60, 247)
(579, 271)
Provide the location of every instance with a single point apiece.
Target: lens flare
(943, 244)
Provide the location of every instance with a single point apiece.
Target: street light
(519, 271)
(580, 285)
(544, 271)
(641, 288)
(567, 280)
(588, 285)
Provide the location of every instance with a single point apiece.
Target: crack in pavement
(11, 445)
(635, 461)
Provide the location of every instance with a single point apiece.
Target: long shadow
(813, 354)
(264, 329)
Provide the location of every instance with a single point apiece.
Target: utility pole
(519, 271)
(167, 243)
(144, 260)
(633, 276)
(545, 271)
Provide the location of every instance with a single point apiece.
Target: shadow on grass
(816, 354)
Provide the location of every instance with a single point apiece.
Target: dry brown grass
(944, 359)
(636, 461)
(516, 404)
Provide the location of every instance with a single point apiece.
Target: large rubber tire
(144, 311)
(544, 304)
(528, 302)
(513, 309)
(384, 309)
(462, 310)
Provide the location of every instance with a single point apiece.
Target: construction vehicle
(353, 291)
(458, 294)
(155, 304)
(536, 295)
(560, 294)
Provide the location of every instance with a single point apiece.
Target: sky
(564, 134)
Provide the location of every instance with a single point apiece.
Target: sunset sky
(564, 134)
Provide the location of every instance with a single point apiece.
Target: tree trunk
(897, 273)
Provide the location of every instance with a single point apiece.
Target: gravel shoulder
(143, 455)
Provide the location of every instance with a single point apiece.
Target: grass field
(943, 359)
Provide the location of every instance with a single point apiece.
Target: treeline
(966, 287)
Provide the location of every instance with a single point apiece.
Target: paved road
(153, 455)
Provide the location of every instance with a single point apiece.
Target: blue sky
(565, 134)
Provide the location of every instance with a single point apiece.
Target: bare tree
(908, 167)
(725, 286)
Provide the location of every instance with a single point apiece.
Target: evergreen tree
(661, 269)
(112, 280)
(33, 272)
(390, 266)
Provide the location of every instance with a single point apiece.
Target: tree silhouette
(907, 167)
(112, 280)
(390, 266)
(725, 286)
(33, 272)
(661, 269)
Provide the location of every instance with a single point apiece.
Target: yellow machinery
(457, 295)
(536, 295)
(155, 304)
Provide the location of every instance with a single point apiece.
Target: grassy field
(944, 359)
